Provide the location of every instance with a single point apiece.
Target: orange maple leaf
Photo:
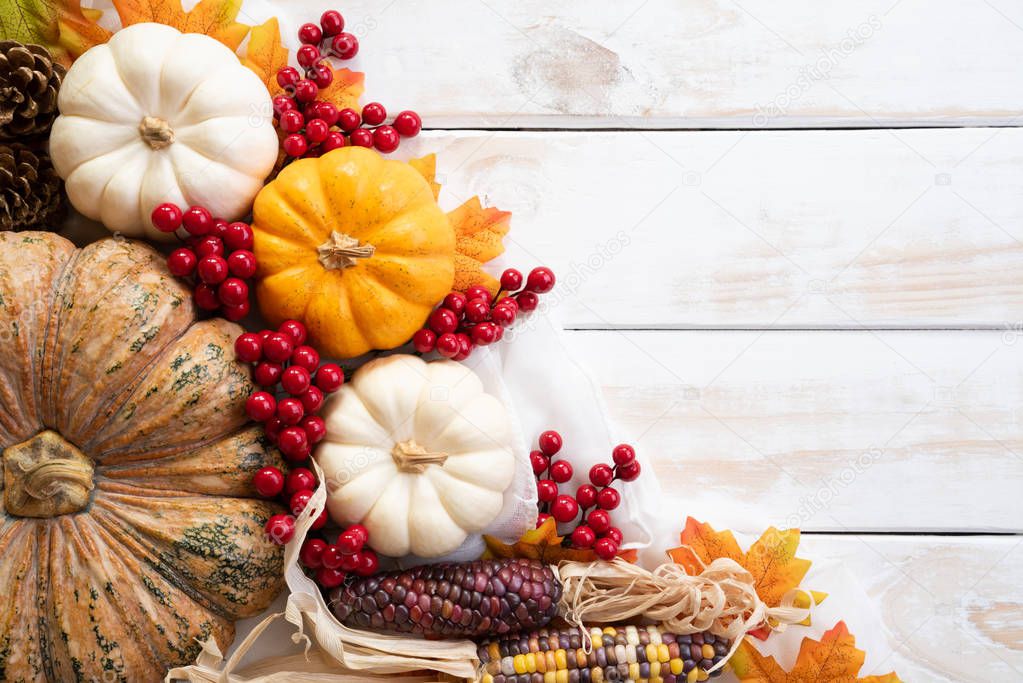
(543, 544)
(214, 18)
(832, 659)
(427, 167)
(345, 90)
(265, 54)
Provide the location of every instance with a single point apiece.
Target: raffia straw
(721, 599)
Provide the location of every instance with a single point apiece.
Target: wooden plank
(827, 431)
(711, 64)
(793, 229)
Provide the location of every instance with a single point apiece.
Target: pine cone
(29, 81)
(31, 197)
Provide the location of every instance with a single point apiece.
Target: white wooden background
(788, 236)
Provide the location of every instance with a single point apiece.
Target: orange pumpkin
(353, 245)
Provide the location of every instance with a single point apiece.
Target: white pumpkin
(155, 116)
(418, 453)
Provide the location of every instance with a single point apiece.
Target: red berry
(212, 269)
(360, 531)
(330, 377)
(499, 332)
(629, 472)
(539, 461)
(298, 501)
(477, 311)
(295, 145)
(601, 475)
(608, 499)
(373, 114)
(315, 428)
(503, 315)
(546, 490)
(361, 137)
(408, 124)
(330, 578)
(316, 130)
(272, 429)
(334, 140)
(349, 562)
(606, 549)
(238, 236)
(280, 528)
(209, 245)
(443, 321)
(288, 76)
(311, 555)
(540, 280)
(345, 46)
(599, 521)
(550, 442)
(290, 411)
(511, 280)
(295, 330)
(278, 347)
(424, 341)
(310, 34)
(166, 217)
(248, 347)
(324, 110)
(447, 345)
(455, 301)
(485, 334)
(349, 543)
(561, 471)
(464, 346)
(586, 495)
(332, 22)
(348, 120)
(197, 220)
(236, 312)
(385, 139)
(233, 292)
(615, 534)
(242, 263)
(181, 262)
(294, 443)
(583, 537)
(527, 301)
(291, 121)
(268, 482)
(261, 406)
(306, 90)
(266, 374)
(541, 518)
(312, 399)
(509, 302)
(283, 103)
(305, 357)
(564, 508)
(332, 557)
(368, 563)
(219, 227)
(479, 292)
(206, 297)
(307, 55)
(299, 479)
(296, 380)
(623, 454)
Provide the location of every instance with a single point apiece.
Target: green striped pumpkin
(129, 529)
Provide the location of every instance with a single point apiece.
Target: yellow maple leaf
(345, 90)
(478, 238)
(265, 54)
(832, 659)
(214, 18)
(543, 544)
(427, 167)
(63, 27)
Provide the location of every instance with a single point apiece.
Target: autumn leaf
(214, 18)
(345, 90)
(543, 544)
(61, 26)
(265, 54)
(427, 167)
(832, 659)
(478, 238)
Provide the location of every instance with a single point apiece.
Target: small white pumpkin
(155, 116)
(418, 453)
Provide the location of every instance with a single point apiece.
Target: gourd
(418, 453)
(354, 246)
(128, 525)
(156, 116)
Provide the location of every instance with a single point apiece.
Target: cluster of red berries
(475, 318)
(595, 529)
(312, 127)
(296, 488)
(282, 358)
(332, 562)
(217, 254)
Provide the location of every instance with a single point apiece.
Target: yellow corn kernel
(662, 653)
(655, 669)
(701, 675)
(676, 667)
(596, 675)
(541, 662)
(551, 664)
(691, 676)
(634, 671)
(708, 651)
(487, 678)
(609, 630)
(519, 662)
(562, 676)
(494, 651)
(560, 660)
(530, 662)
(550, 677)
(651, 652)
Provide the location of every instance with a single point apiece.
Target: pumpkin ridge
(47, 395)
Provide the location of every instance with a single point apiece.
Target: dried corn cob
(465, 599)
(625, 653)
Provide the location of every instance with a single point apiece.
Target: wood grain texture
(701, 64)
(829, 431)
(793, 229)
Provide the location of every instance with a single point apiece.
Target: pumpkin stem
(46, 476)
(341, 251)
(156, 132)
(412, 458)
